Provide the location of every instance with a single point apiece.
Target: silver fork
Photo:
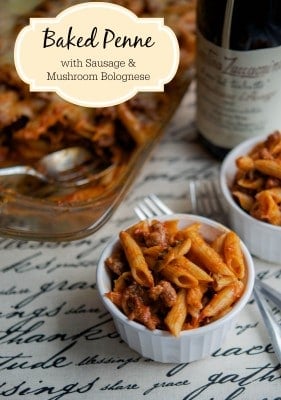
(151, 207)
(204, 197)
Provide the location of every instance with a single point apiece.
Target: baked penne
(177, 273)
(161, 280)
(151, 255)
(266, 208)
(220, 281)
(257, 183)
(177, 314)
(206, 254)
(171, 227)
(121, 282)
(246, 201)
(217, 244)
(179, 250)
(199, 273)
(233, 254)
(138, 265)
(269, 167)
(222, 300)
(115, 297)
(194, 298)
(245, 163)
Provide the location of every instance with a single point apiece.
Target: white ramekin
(262, 239)
(160, 345)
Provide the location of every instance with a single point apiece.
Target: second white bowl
(262, 239)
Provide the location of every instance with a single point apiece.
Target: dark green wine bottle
(238, 71)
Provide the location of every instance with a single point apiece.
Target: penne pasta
(162, 279)
(199, 273)
(141, 226)
(194, 298)
(174, 252)
(222, 300)
(245, 163)
(116, 298)
(257, 183)
(266, 208)
(171, 228)
(269, 167)
(151, 255)
(34, 124)
(177, 273)
(220, 281)
(251, 184)
(206, 254)
(121, 282)
(139, 267)
(233, 254)
(217, 244)
(176, 316)
(246, 201)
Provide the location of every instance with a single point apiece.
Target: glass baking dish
(56, 218)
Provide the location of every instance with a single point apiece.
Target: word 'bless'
(109, 39)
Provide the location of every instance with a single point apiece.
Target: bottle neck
(240, 24)
(226, 30)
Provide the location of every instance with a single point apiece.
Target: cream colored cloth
(58, 342)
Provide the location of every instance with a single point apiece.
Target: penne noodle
(217, 244)
(269, 167)
(221, 281)
(233, 254)
(266, 208)
(138, 265)
(195, 270)
(179, 250)
(116, 298)
(121, 282)
(222, 300)
(177, 273)
(177, 314)
(255, 184)
(245, 200)
(151, 255)
(245, 163)
(275, 192)
(172, 228)
(220, 315)
(207, 255)
(194, 300)
(131, 123)
(141, 226)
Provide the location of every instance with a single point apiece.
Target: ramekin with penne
(173, 284)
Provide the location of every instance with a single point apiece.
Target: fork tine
(151, 206)
(158, 205)
(193, 197)
(218, 195)
(205, 199)
(142, 211)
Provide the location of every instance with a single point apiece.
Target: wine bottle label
(238, 92)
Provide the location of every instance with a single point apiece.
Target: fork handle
(269, 292)
(273, 328)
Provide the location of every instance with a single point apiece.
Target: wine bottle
(238, 71)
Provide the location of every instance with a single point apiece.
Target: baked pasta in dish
(33, 124)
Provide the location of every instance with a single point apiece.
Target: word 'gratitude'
(109, 38)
